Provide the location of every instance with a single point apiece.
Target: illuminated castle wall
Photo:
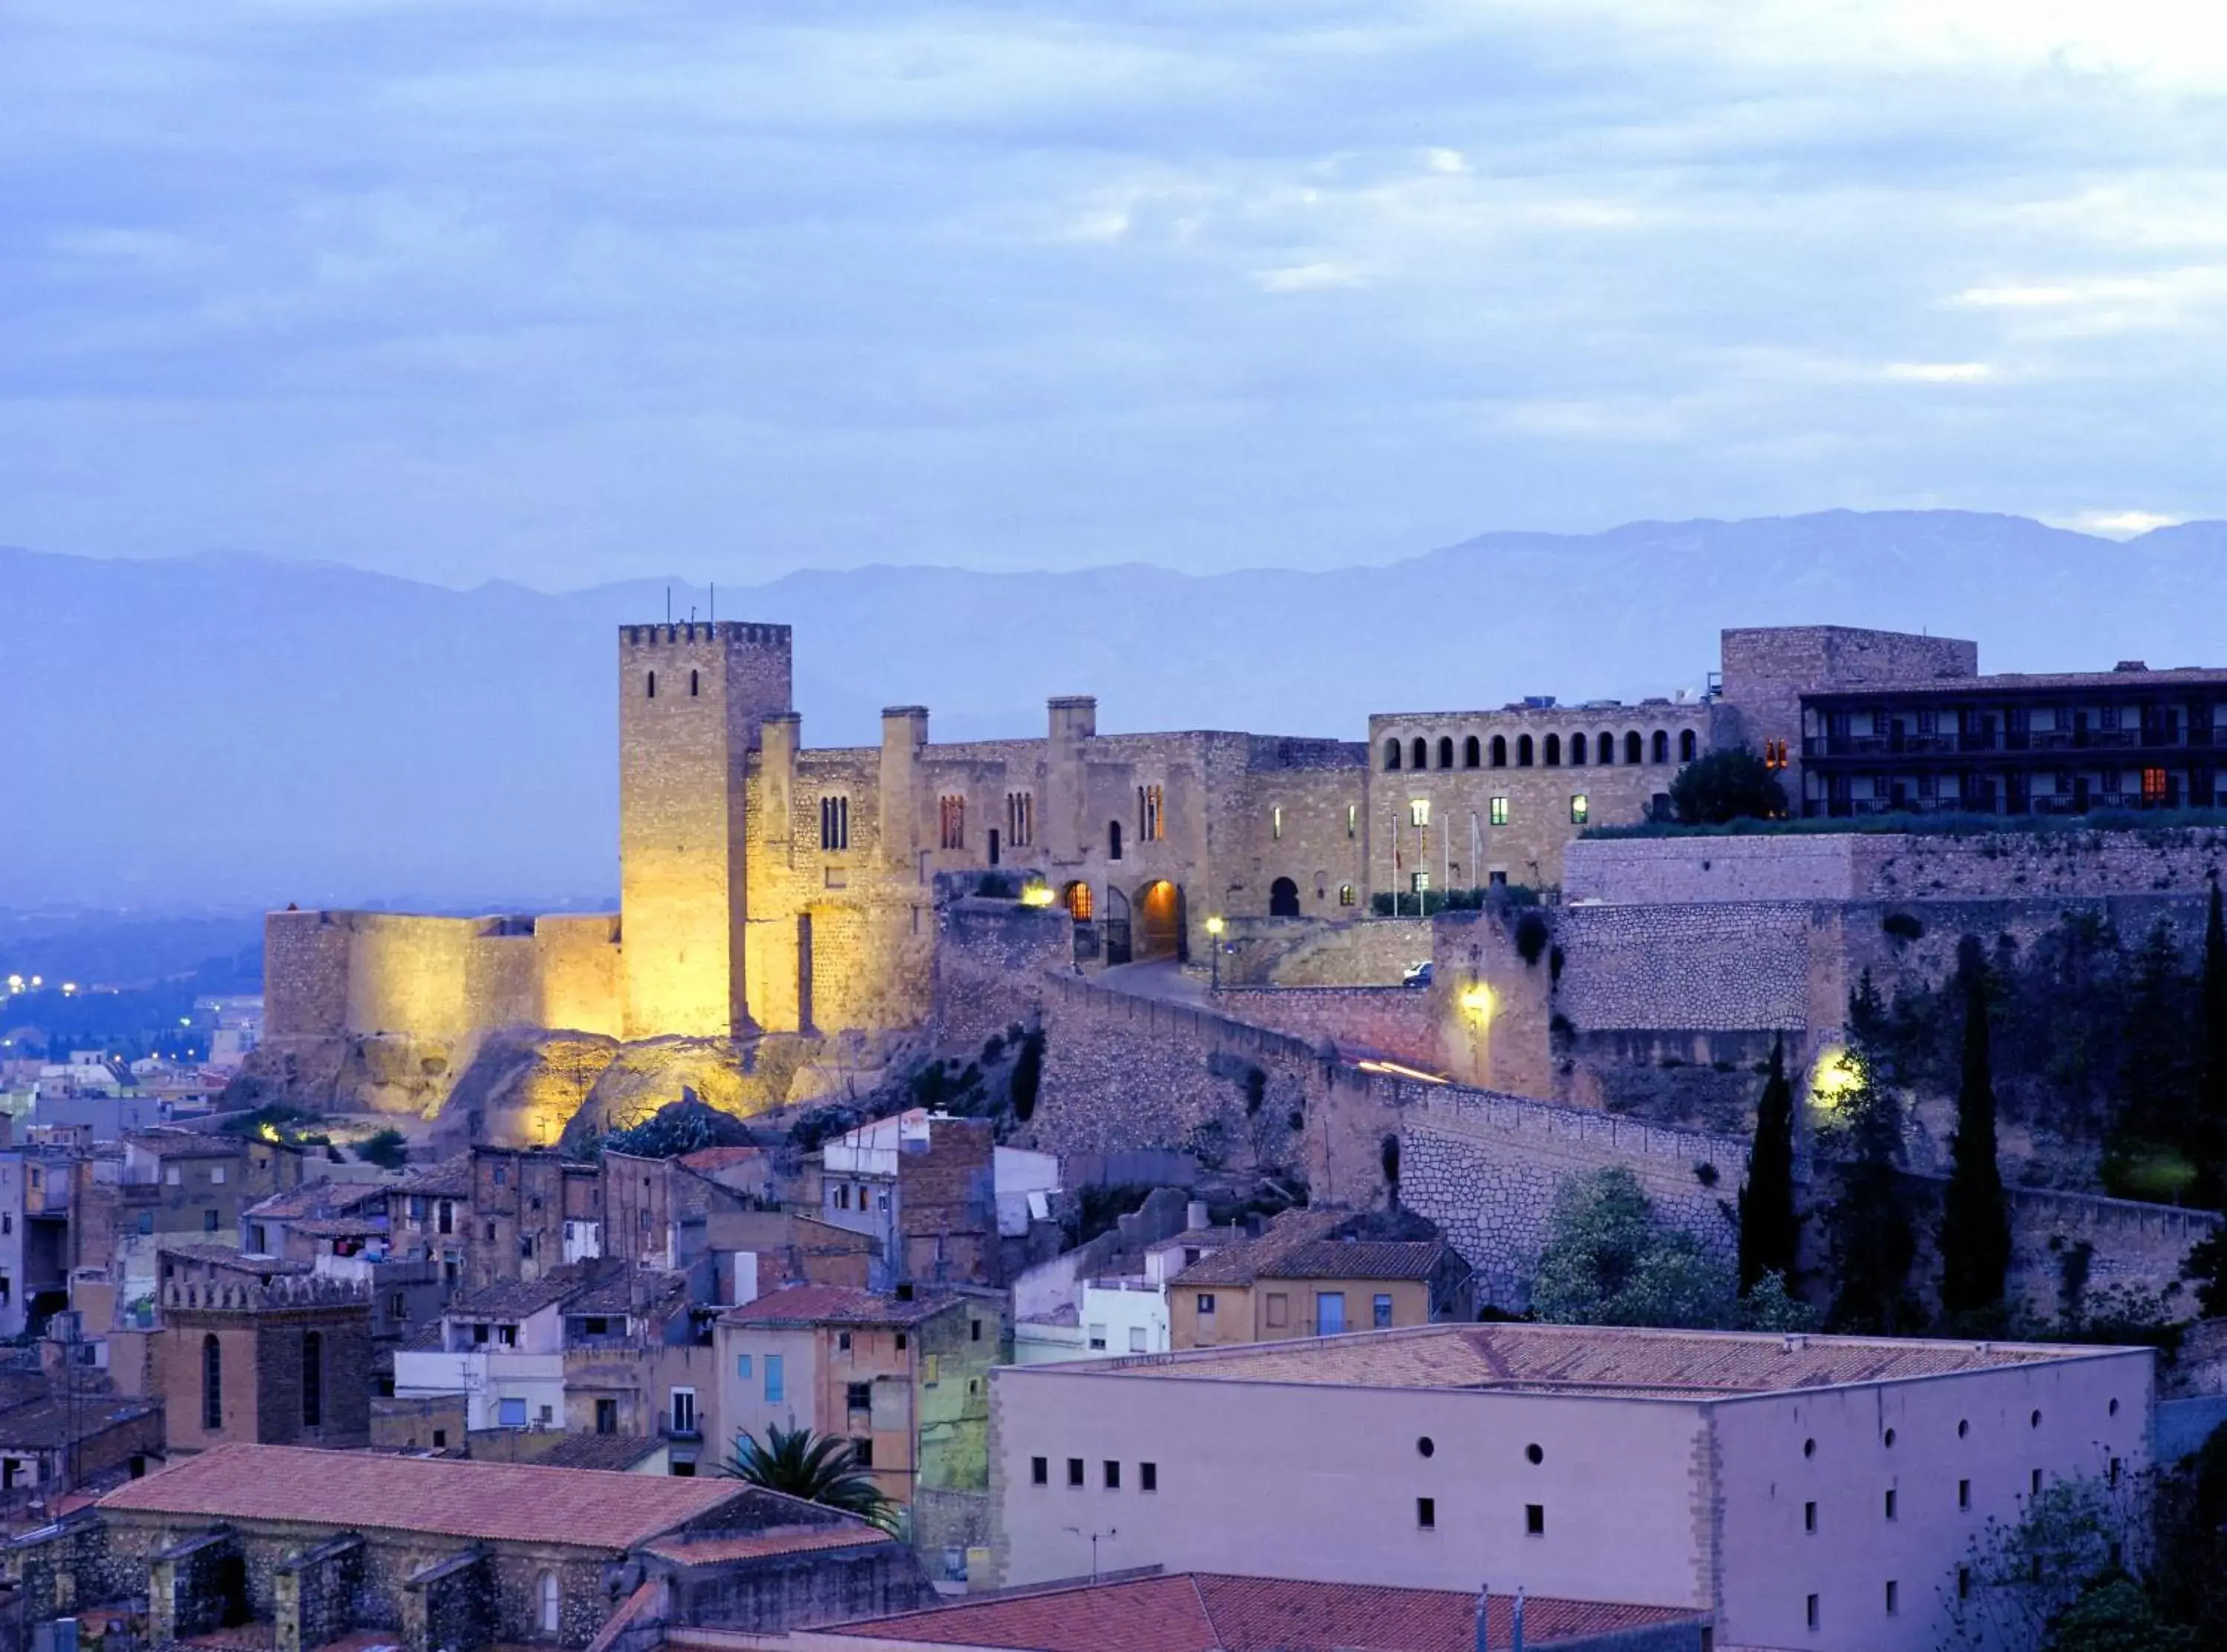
(767, 888)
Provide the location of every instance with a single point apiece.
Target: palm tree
(818, 1468)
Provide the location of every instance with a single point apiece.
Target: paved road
(1163, 979)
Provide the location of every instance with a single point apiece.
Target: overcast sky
(575, 289)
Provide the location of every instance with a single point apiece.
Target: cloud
(2119, 525)
(1938, 373)
(592, 288)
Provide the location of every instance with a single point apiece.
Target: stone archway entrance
(1158, 931)
(1115, 923)
(1283, 899)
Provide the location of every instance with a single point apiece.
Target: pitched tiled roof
(707, 1161)
(1206, 1611)
(1240, 1263)
(629, 1290)
(1587, 1358)
(227, 1256)
(353, 1490)
(836, 1304)
(450, 1179)
(750, 1546)
(322, 1197)
(1357, 1258)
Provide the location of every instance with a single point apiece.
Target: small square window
(1535, 1520)
(1418, 812)
(862, 1452)
(1380, 1312)
(1499, 811)
(1113, 1475)
(973, 1331)
(743, 1367)
(843, 1341)
(1206, 1302)
(1148, 1476)
(901, 1342)
(1427, 1514)
(1039, 1471)
(1580, 808)
(1075, 1471)
(440, 1439)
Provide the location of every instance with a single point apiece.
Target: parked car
(1417, 975)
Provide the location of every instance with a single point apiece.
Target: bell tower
(693, 700)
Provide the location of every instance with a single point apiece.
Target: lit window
(1353, 820)
(1579, 808)
(1206, 1302)
(1152, 814)
(1276, 821)
(1076, 899)
(1499, 811)
(1418, 812)
(2154, 786)
(834, 823)
(1345, 894)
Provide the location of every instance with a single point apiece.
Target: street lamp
(1215, 926)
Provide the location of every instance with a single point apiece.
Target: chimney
(1515, 1636)
(1483, 1603)
(1194, 1215)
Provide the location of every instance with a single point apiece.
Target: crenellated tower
(693, 701)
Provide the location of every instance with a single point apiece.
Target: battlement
(679, 631)
(278, 1293)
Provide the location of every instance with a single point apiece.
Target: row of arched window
(1549, 752)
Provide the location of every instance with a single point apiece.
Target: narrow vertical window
(954, 820)
(313, 1379)
(211, 1384)
(1391, 754)
(691, 685)
(1426, 1513)
(1352, 820)
(1446, 751)
(1687, 748)
(834, 823)
(653, 686)
(1276, 822)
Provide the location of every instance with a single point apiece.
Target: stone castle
(766, 888)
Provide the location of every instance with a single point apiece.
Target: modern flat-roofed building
(1807, 1491)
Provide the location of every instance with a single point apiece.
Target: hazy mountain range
(222, 729)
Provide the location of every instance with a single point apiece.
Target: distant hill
(222, 728)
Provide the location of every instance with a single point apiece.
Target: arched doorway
(1160, 922)
(1283, 899)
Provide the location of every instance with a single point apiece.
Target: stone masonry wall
(1399, 1021)
(1734, 967)
(1910, 866)
(1486, 1168)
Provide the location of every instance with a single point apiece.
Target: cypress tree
(1770, 1232)
(1871, 1235)
(2211, 1127)
(1976, 1232)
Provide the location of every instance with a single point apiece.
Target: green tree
(818, 1468)
(1733, 784)
(1769, 1229)
(2064, 1576)
(1610, 1260)
(2211, 1131)
(1975, 1227)
(2116, 1615)
(1871, 1235)
(386, 1148)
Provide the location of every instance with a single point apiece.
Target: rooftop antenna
(668, 604)
(1483, 1600)
(715, 602)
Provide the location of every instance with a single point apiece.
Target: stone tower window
(1113, 840)
(1345, 894)
(1020, 819)
(834, 823)
(1075, 897)
(1633, 750)
(1577, 749)
(1522, 751)
(1353, 820)
(1391, 754)
(1419, 753)
(1446, 751)
(651, 694)
(1499, 811)
(1151, 816)
(1661, 747)
(1580, 808)
(1686, 746)
(1470, 752)
(691, 685)
(1276, 821)
(952, 811)
(1500, 751)
(211, 1384)
(1553, 755)
(313, 1379)
(1607, 747)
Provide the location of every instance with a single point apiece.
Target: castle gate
(1118, 945)
(1283, 899)
(1160, 922)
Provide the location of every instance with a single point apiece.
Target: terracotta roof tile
(750, 1546)
(836, 1304)
(1208, 1611)
(498, 1502)
(1240, 1263)
(1586, 1358)
(1357, 1258)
